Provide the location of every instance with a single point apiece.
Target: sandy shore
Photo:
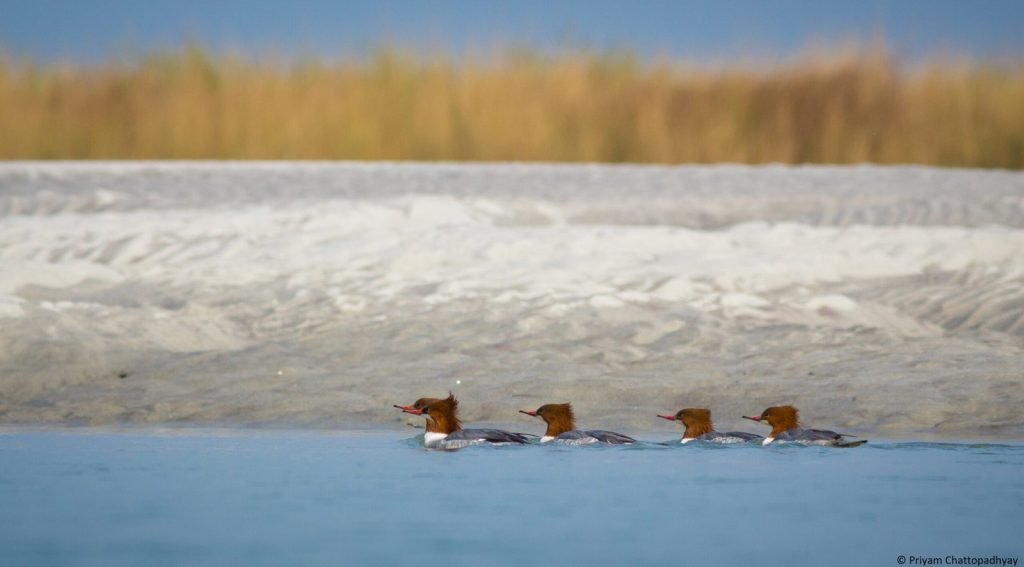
(885, 300)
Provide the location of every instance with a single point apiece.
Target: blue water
(302, 498)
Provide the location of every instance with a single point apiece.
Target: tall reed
(848, 108)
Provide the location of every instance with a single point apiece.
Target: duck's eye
(540, 411)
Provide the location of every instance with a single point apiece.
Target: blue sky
(701, 30)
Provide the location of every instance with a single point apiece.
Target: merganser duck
(699, 428)
(562, 428)
(785, 424)
(444, 429)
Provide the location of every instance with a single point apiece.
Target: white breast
(546, 438)
(432, 439)
(767, 440)
(686, 440)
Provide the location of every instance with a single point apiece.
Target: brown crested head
(696, 420)
(417, 408)
(424, 402)
(559, 417)
(781, 418)
(445, 415)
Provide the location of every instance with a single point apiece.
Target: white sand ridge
(357, 298)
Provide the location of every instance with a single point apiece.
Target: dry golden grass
(859, 107)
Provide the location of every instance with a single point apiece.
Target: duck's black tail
(857, 443)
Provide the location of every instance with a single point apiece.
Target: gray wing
(608, 436)
(576, 437)
(729, 437)
(744, 435)
(488, 435)
(800, 434)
